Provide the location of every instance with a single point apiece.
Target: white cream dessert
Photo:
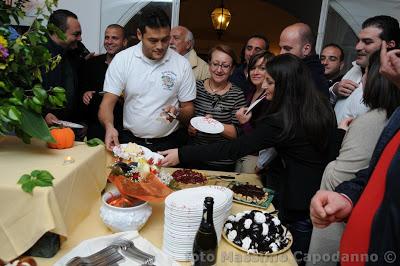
(256, 232)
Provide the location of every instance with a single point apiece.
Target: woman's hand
(242, 116)
(171, 157)
(345, 123)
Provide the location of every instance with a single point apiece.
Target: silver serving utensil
(128, 248)
(105, 252)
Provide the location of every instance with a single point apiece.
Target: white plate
(147, 153)
(254, 104)
(207, 125)
(68, 124)
(191, 199)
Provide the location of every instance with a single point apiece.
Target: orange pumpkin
(64, 137)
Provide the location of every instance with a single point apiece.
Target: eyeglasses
(223, 66)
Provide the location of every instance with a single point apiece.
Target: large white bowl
(124, 219)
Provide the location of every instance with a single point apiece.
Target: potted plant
(23, 61)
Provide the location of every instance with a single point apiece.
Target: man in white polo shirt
(348, 92)
(155, 81)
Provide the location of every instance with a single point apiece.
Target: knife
(221, 177)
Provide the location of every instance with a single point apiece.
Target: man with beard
(92, 78)
(156, 83)
(348, 92)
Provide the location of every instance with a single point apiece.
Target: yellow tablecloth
(76, 188)
(93, 226)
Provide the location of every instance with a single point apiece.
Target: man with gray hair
(182, 42)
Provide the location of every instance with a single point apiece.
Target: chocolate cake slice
(249, 193)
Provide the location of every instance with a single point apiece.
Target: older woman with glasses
(219, 99)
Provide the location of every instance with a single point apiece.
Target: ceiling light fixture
(220, 18)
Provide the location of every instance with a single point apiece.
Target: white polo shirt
(149, 86)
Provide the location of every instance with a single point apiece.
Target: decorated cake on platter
(257, 232)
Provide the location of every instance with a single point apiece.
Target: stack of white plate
(183, 213)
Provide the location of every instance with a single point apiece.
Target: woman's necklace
(217, 91)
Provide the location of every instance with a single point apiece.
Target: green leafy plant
(37, 178)
(22, 63)
(94, 142)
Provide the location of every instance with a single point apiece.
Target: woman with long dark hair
(299, 124)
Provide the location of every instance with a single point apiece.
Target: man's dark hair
(153, 18)
(256, 36)
(379, 92)
(388, 25)
(59, 18)
(341, 58)
(117, 26)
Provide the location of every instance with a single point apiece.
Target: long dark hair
(297, 101)
(379, 92)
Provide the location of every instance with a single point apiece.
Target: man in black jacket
(298, 39)
(65, 74)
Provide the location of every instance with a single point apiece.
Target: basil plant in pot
(23, 62)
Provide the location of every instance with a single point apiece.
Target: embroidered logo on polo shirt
(168, 79)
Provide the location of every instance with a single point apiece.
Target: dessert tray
(251, 195)
(257, 232)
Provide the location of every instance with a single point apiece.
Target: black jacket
(304, 164)
(64, 75)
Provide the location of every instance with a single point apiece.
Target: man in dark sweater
(298, 39)
(92, 78)
(65, 74)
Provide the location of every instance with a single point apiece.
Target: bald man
(182, 42)
(298, 39)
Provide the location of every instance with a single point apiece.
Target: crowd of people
(328, 141)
